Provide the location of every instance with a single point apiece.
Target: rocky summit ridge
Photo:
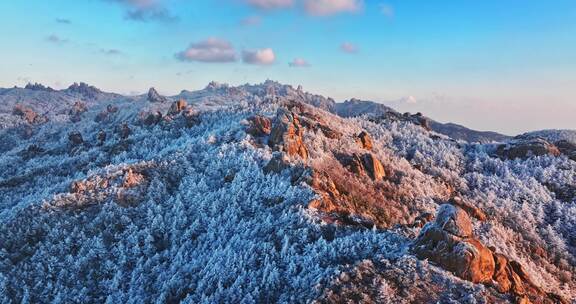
(267, 193)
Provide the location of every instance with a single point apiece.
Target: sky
(499, 65)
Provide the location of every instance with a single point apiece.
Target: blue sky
(505, 65)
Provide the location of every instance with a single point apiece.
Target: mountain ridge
(347, 108)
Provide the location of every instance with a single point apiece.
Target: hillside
(269, 194)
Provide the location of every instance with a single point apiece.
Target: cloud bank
(210, 50)
(259, 57)
(311, 7)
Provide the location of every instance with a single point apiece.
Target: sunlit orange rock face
(450, 243)
(259, 125)
(365, 140)
(365, 164)
(352, 189)
(125, 186)
(178, 106)
(286, 134)
(29, 115)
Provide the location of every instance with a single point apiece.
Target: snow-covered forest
(107, 198)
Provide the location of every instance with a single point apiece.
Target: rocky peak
(88, 91)
(38, 87)
(213, 86)
(154, 96)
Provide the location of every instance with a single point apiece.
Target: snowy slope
(178, 212)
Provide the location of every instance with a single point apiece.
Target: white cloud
(332, 7)
(270, 4)
(209, 50)
(299, 62)
(260, 57)
(349, 48)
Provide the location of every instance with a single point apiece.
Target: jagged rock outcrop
(76, 111)
(469, 208)
(364, 140)
(525, 148)
(125, 186)
(449, 242)
(416, 119)
(373, 166)
(366, 164)
(154, 96)
(151, 118)
(419, 119)
(315, 123)
(38, 87)
(105, 115)
(132, 179)
(286, 134)
(87, 91)
(177, 107)
(332, 202)
(259, 125)
(78, 108)
(29, 115)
